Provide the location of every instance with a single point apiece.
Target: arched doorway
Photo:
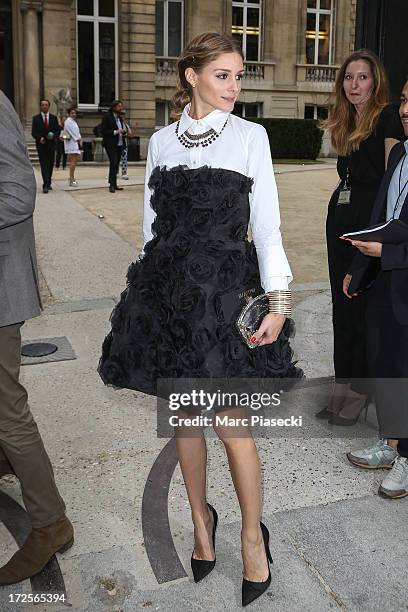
(6, 50)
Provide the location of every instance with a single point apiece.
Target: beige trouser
(21, 445)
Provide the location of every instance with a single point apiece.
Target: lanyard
(400, 191)
(347, 179)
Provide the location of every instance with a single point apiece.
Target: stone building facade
(96, 50)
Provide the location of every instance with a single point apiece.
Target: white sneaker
(395, 484)
(381, 455)
(73, 183)
(125, 177)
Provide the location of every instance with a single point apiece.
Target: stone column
(32, 77)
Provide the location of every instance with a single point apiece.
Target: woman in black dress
(363, 129)
(207, 176)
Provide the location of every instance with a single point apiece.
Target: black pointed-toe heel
(253, 590)
(200, 567)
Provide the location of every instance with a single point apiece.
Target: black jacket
(108, 126)
(38, 129)
(394, 257)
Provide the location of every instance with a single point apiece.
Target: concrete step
(32, 149)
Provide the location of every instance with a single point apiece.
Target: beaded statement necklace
(190, 140)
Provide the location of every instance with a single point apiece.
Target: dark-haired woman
(72, 144)
(363, 129)
(113, 131)
(208, 175)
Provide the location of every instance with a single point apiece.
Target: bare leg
(192, 454)
(245, 470)
(73, 159)
(393, 443)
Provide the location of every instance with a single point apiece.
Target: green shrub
(292, 138)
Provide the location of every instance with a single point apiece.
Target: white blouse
(71, 126)
(242, 147)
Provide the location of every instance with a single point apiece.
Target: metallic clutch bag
(250, 318)
(247, 308)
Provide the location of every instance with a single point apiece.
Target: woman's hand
(372, 249)
(346, 284)
(269, 329)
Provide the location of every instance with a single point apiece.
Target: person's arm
(394, 256)
(148, 213)
(72, 129)
(68, 128)
(106, 128)
(274, 269)
(17, 182)
(358, 262)
(56, 126)
(36, 132)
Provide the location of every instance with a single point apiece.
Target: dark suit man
(45, 130)
(21, 448)
(382, 269)
(113, 131)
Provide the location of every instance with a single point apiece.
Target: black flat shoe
(324, 414)
(118, 188)
(200, 567)
(111, 189)
(253, 590)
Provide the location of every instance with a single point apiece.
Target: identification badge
(344, 196)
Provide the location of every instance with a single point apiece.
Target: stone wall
(283, 88)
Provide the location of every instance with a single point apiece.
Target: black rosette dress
(169, 322)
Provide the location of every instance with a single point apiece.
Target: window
(313, 111)
(169, 28)
(97, 52)
(319, 28)
(162, 113)
(246, 27)
(248, 109)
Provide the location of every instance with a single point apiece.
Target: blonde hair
(347, 129)
(199, 52)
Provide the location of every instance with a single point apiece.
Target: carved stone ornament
(31, 5)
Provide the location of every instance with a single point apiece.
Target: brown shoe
(41, 544)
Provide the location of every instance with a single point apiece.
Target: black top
(366, 166)
(108, 127)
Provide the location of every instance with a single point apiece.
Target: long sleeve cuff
(272, 283)
(274, 269)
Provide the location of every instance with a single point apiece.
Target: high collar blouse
(243, 147)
